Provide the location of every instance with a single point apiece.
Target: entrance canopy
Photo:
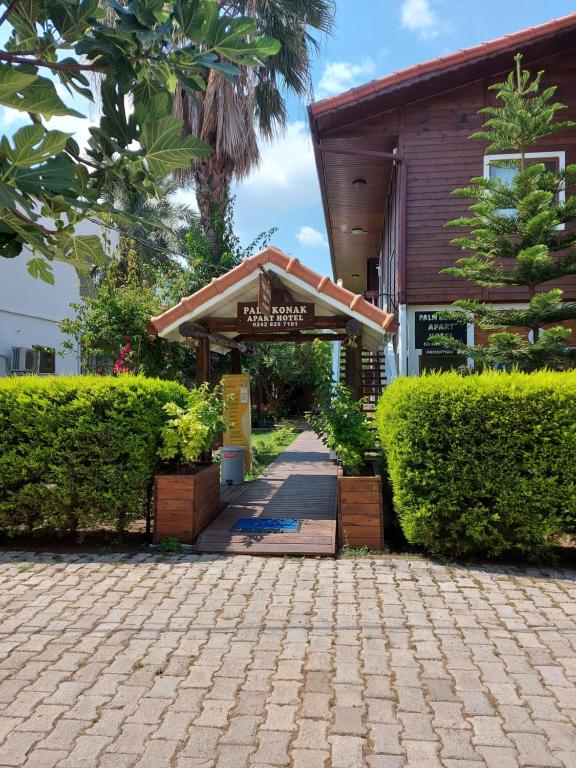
(273, 297)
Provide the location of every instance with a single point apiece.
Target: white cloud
(12, 116)
(79, 127)
(284, 182)
(287, 164)
(285, 179)
(419, 16)
(339, 76)
(310, 237)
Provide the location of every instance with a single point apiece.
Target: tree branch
(26, 220)
(83, 160)
(8, 11)
(56, 66)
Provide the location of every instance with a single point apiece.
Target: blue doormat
(266, 525)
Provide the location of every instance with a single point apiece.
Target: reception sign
(237, 413)
(429, 324)
(282, 317)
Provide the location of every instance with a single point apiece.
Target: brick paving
(215, 661)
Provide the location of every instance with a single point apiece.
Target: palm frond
(229, 116)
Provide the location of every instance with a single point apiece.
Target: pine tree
(516, 235)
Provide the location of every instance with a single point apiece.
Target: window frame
(50, 353)
(559, 155)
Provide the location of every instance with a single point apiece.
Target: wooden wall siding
(482, 336)
(441, 157)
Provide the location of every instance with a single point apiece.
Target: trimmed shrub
(79, 450)
(483, 464)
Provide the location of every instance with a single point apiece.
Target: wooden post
(235, 361)
(354, 368)
(203, 361)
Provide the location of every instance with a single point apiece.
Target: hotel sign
(429, 324)
(282, 317)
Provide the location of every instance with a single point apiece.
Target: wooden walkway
(300, 483)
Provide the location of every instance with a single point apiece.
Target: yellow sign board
(238, 415)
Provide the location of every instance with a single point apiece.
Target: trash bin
(232, 464)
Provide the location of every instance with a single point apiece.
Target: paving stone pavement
(211, 661)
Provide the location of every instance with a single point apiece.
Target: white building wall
(30, 309)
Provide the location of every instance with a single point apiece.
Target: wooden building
(388, 155)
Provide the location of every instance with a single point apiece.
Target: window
(47, 360)
(554, 161)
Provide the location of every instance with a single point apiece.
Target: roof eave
(220, 289)
(320, 170)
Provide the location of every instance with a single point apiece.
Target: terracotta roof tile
(442, 63)
(355, 302)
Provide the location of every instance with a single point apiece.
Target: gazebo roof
(219, 298)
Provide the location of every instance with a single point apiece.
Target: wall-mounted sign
(282, 317)
(429, 324)
(264, 294)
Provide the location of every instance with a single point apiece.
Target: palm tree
(229, 116)
(156, 246)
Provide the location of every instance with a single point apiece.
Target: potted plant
(347, 432)
(187, 492)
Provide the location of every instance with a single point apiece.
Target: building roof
(404, 77)
(220, 296)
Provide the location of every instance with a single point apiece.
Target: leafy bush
(344, 427)
(192, 429)
(79, 450)
(484, 464)
(111, 325)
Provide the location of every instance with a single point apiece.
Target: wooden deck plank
(301, 483)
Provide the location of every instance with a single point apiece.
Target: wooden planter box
(360, 515)
(185, 504)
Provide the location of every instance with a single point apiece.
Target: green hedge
(483, 464)
(79, 450)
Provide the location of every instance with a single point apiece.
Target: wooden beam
(296, 337)
(235, 361)
(280, 292)
(203, 361)
(229, 324)
(195, 331)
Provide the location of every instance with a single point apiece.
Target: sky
(371, 39)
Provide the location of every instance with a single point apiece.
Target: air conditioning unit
(25, 360)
